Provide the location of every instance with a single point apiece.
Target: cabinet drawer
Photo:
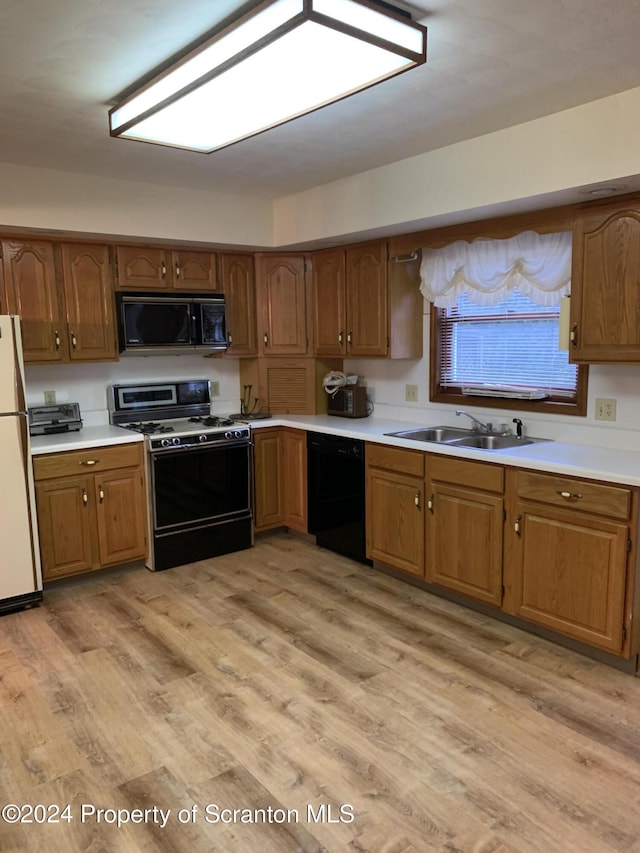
(395, 459)
(581, 495)
(73, 462)
(474, 475)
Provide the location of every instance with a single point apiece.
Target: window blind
(512, 344)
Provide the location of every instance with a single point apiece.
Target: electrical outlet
(411, 393)
(49, 398)
(605, 409)
(215, 389)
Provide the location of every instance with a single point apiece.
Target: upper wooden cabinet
(281, 291)
(64, 298)
(31, 291)
(329, 302)
(365, 305)
(88, 299)
(605, 291)
(152, 268)
(237, 278)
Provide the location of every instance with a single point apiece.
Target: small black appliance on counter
(64, 417)
(349, 402)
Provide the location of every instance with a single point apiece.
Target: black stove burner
(212, 421)
(150, 428)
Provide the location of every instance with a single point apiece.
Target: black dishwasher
(336, 494)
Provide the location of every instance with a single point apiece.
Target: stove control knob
(165, 442)
(228, 434)
(238, 433)
(175, 441)
(202, 437)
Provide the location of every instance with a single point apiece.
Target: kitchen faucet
(478, 426)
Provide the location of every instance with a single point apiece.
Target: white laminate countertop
(556, 457)
(92, 436)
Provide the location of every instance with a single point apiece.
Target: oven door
(200, 484)
(200, 504)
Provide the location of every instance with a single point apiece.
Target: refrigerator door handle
(17, 358)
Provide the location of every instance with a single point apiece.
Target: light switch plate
(215, 389)
(49, 398)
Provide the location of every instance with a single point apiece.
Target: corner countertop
(555, 457)
(91, 436)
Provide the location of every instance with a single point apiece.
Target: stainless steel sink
(493, 442)
(438, 434)
(455, 437)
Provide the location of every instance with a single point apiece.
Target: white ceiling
(491, 64)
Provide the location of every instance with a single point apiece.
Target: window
(511, 346)
(496, 325)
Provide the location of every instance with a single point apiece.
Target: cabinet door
(329, 303)
(140, 268)
(281, 294)
(269, 505)
(294, 447)
(395, 520)
(239, 288)
(120, 504)
(66, 521)
(32, 292)
(89, 303)
(464, 541)
(569, 573)
(605, 297)
(367, 332)
(194, 271)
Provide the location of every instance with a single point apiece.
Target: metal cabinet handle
(340, 337)
(90, 462)
(569, 496)
(177, 271)
(430, 504)
(416, 499)
(349, 336)
(163, 269)
(101, 494)
(85, 497)
(74, 340)
(56, 339)
(265, 337)
(229, 338)
(516, 526)
(573, 336)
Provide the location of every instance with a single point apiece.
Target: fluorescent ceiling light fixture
(275, 61)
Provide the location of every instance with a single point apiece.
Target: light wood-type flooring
(286, 676)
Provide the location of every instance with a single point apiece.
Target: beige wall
(44, 198)
(537, 161)
(529, 165)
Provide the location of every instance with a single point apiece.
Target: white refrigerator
(20, 573)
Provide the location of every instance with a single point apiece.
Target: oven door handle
(206, 446)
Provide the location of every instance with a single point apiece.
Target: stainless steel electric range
(198, 470)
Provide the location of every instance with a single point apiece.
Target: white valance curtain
(537, 265)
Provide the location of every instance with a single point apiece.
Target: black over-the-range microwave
(159, 323)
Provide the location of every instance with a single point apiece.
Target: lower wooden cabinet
(395, 491)
(568, 557)
(554, 551)
(92, 519)
(280, 478)
(465, 520)
(294, 452)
